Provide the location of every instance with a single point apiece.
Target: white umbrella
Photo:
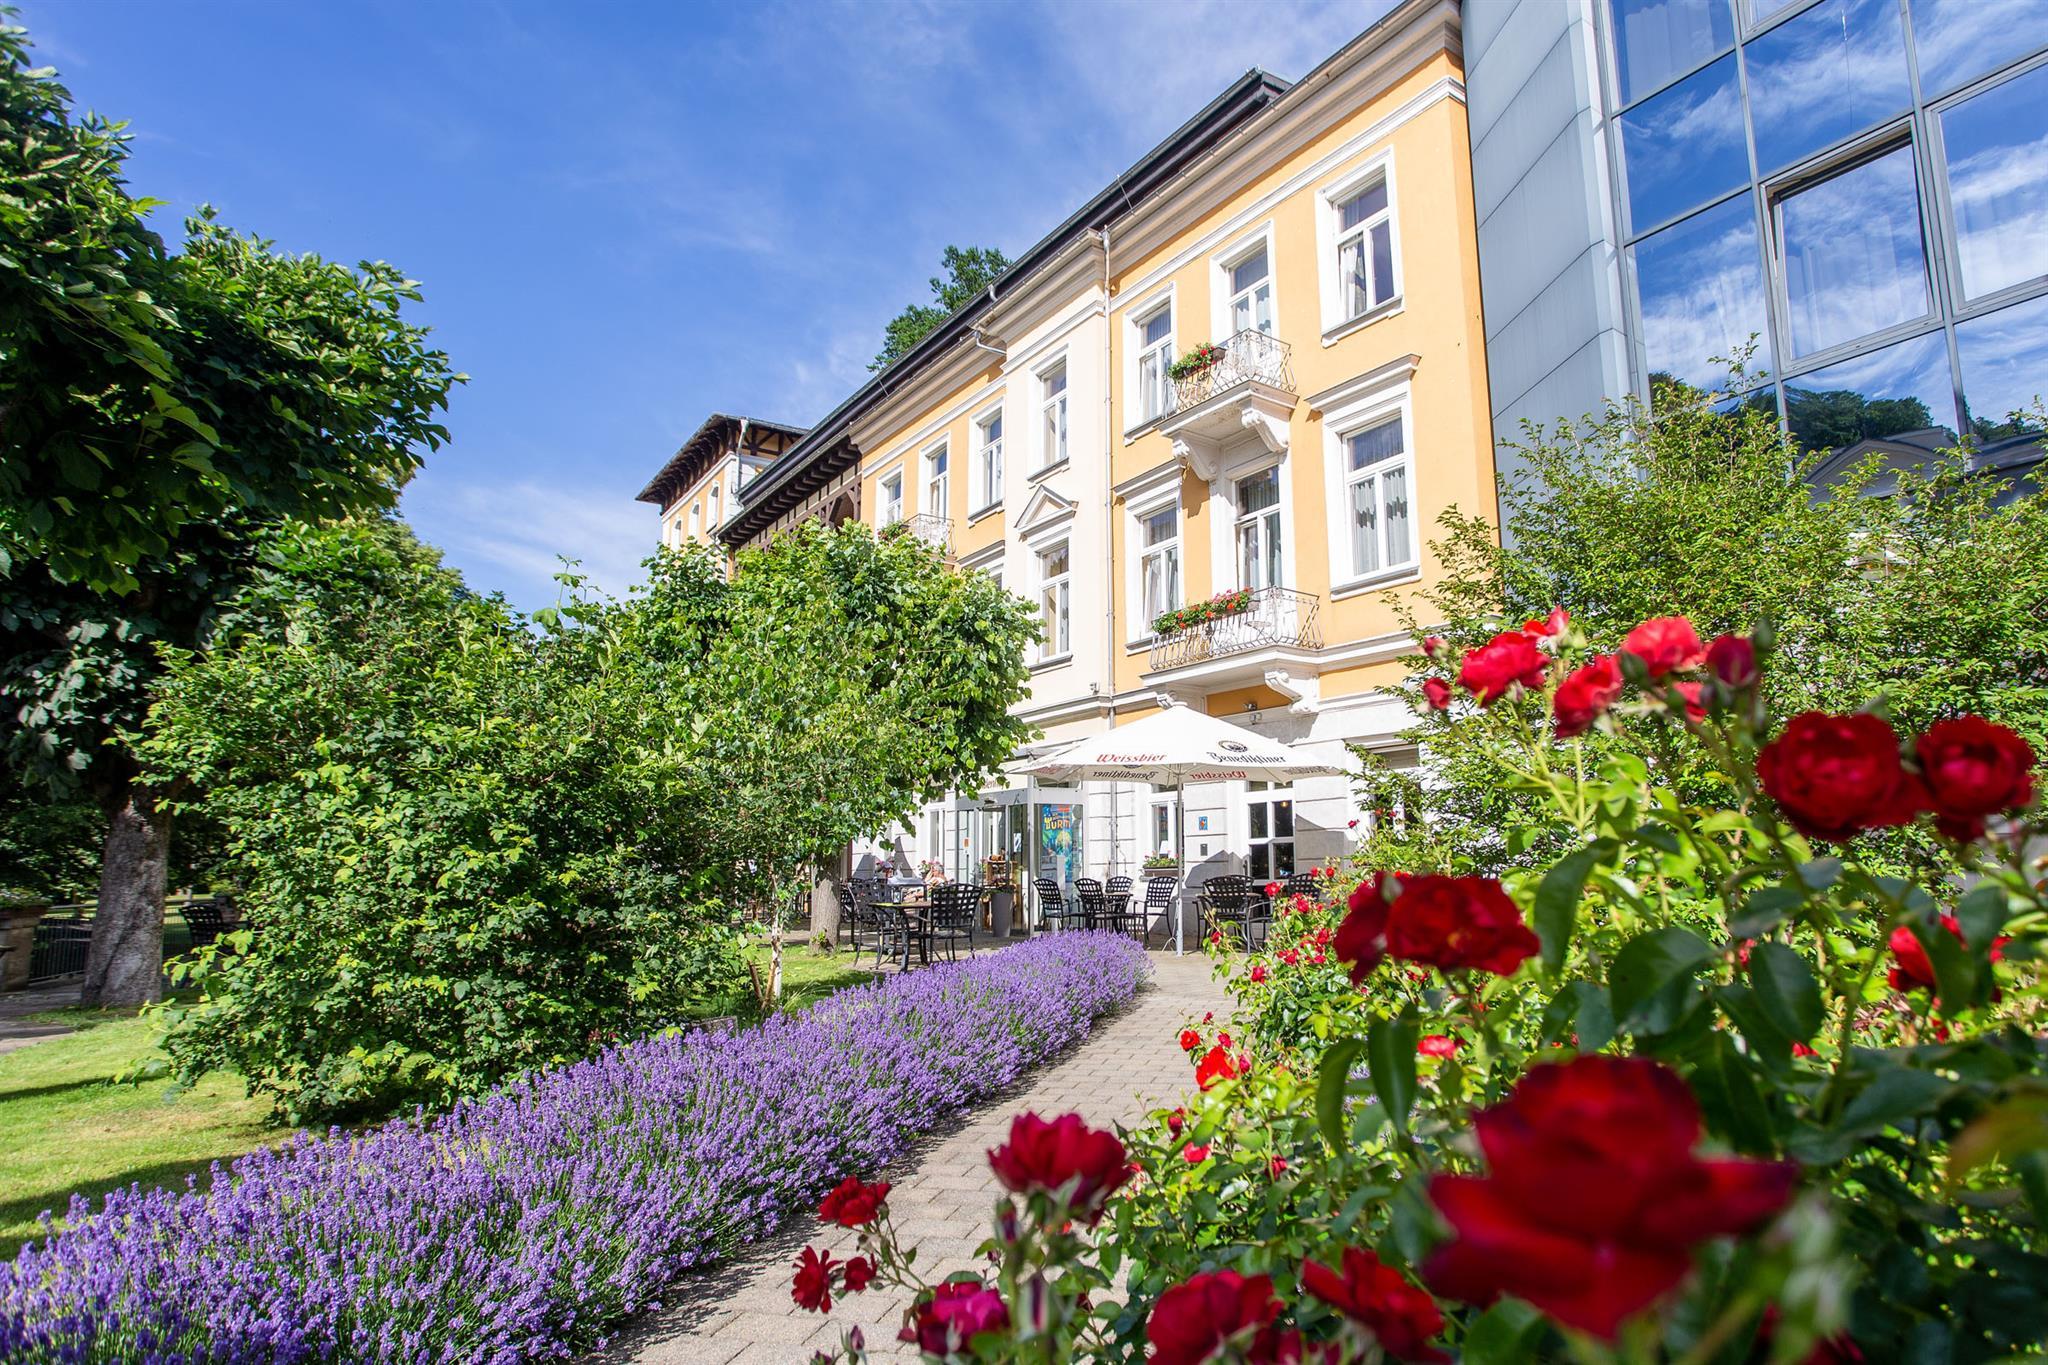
(1173, 747)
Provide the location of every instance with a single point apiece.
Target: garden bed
(520, 1225)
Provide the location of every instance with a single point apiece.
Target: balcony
(1275, 618)
(1249, 388)
(936, 530)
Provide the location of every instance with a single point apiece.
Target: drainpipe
(1111, 586)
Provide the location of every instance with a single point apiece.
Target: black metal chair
(1053, 906)
(1159, 901)
(1094, 905)
(1231, 900)
(205, 920)
(955, 909)
(1302, 884)
(857, 918)
(1123, 917)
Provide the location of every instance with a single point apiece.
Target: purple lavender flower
(519, 1225)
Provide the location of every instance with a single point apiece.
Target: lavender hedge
(518, 1226)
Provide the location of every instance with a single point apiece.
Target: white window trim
(1223, 530)
(1330, 284)
(1372, 397)
(1140, 633)
(1135, 318)
(1226, 260)
(1049, 654)
(983, 500)
(942, 446)
(902, 494)
(1042, 457)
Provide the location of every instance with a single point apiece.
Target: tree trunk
(124, 967)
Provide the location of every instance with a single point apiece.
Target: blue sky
(627, 216)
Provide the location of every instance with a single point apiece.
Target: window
(1054, 603)
(2000, 209)
(714, 506)
(1659, 39)
(2003, 357)
(1155, 356)
(1159, 563)
(1376, 478)
(1956, 41)
(1365, 250)
(1251, 294)
(1258, 529)
(1052, 447)
(1901, 393)
(1164, 826)
(1269, 810)
(1853, 259)
(937, 489)
(1798, 102)
(696, 511)
(1684, 147)
(988, 460)
(1701, 291)
(892, 499)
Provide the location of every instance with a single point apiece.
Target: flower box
(1223, 604)
(1200, 360)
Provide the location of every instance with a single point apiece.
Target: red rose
(812, 1289)
(1437, 693)
(1836, 776)
(1176, 1121)
(1437, 1045)
(1911, 967)
(1502, 662)
(860, 1273)
(1400, 1316)
(1694, 697)
(1258, 972)
(1453, 922)
(1664, 644)
(1212, 1312)
(1732, 659)
(1585, 694)
(1272, 890)
(1361, 938)
(1594, 1196)
(1064, 1158)
(1549, 626)
(1189, 1040)
(1432, 645)
(1973, 769)
(1278, 1165)
(1195, 1153)
(852, 1204)
(954, 1315)
(1215, 1066)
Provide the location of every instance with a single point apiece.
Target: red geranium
(852, 1204)
(1064, 1157)
(1502, 662)
(1732, 659)
(1594, 1196)
(954, 1315)
(1400, 1316)
(1836, 776)
(812, 1289)
(1453, 922)
(1215, 1066)
(1664, 644)
(1212, 1312)
(1973, 769)
(1585, 694)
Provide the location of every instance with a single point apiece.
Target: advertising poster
(1059, 842)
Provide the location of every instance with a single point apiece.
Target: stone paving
(943, 1194)
(18, 1030)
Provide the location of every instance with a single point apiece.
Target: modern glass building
(1851, 196)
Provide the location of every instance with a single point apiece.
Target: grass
(66, 1125)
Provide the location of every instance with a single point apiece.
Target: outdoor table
(915, 925)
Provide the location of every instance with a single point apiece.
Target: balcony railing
(1251, 356)
(1275, 617)
(930, 527)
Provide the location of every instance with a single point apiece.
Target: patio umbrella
(1173, 747)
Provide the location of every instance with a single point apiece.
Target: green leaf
(1821, 873)
(1729, 1097)
(1557, 901)
(1898, 1093)
(1332, 1080)
(1982, 915)
(1390, 1058)
(1765, 909)
(1504, 1334)
(1955, 966)
(1786, 990)
(1649, 963)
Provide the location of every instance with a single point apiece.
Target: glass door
(1258, 529)
(1269, 808)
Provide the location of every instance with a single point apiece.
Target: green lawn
(66, 1127)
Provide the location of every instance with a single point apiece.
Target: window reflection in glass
(1702, 294)
(1956, 41)
(1822, 75)
(1684, 147)
(1997, 145)
(1657, 39)
(1854, 262)
(2004, 356)
(1898, 401)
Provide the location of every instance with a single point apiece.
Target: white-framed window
(714, 507)
(1361, 267)
(1055, 602)
(937, 480)
(1250, 280)
(1154, 336)
(1259, 528)
(1379, 475)
(1162, 825)
(1052, 421)
(988, 460)
(696, 516)
(1269, 826)
(1158, 562)
(891, 509)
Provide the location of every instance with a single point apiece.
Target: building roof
(827, 450)
(704, 443)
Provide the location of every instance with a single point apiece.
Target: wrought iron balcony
(1249, 357)
(929, 527)
(1273, 617)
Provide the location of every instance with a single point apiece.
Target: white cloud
(513, 536)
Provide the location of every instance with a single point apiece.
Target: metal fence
(1250, 356)
(64, 935)
(1275, 616)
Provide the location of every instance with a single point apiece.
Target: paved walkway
(19, 1031)
(941, 1203)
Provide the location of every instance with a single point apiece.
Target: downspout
(1110, 584)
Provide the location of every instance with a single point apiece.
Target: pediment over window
(1046, 508)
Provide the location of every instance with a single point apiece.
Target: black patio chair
(205, 920)
(1094, 905)
(858, 921)
(1231, 900)
(1053, 906)
(955, 909)
(1159, 901)
(1124, 918)
(1302, 884)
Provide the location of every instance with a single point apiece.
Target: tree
(157, 410)
(969, 271)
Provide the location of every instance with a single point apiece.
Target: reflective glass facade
(1861, 186)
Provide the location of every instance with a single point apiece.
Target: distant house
(702, 484)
